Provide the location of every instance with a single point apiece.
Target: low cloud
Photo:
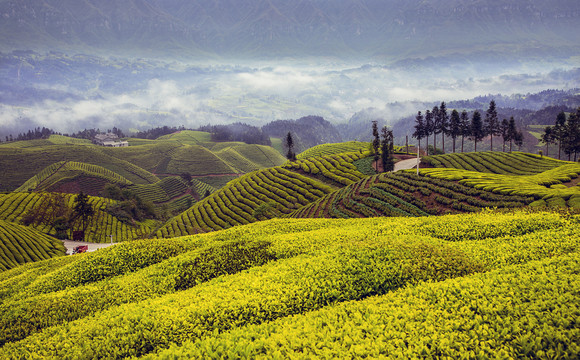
(260, 95)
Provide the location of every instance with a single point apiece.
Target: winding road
(406, 164)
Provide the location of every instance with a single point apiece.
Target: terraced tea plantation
(515, 163)
(22, 244)
(15, 207)
(265, 194)
(482, 285)
(315, 258)
(550, 182)
(405, 194)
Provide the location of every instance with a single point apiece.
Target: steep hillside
(331, 149)
(188, 137)
(405, 194)
(515, 163)
(21, 244)
(72, 177)
(265, 194)
(22, 163)
(550, 182)
(306, 132)
(173, 194)
(318, 288)
(143, 162)
(42, 210)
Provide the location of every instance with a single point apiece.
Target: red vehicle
(80, 249)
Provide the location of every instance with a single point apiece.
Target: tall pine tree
(491, 122)
(465, 127)
(419, 128)
(548, 138)
(428, 128)
(476, 133)
(454, 126)
(512, 131)
(436, 127)
(290, 155)
(443, 123)
(82, 210)
(504, 127)
(387, 149)
(376, 144)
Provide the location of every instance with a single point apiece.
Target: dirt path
(406, 164)
(70, 245)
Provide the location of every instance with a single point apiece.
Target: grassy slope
(21, 163)
(58, 172)
(15, 206)
(405, 194)
(184, 152)
(283, 188)
(21, 244)
(331, 149)
(547, 180)
(191, 293)
(496, 180)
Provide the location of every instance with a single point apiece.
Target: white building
(109, 140)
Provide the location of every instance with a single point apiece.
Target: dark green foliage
(264, 211)
(420, 128)
(82, 210)
(492, 126)
(476, 131)
(443, 123)
(129, 206)
(365, 165)
(454, 126)
(227, 258)
(289, 142)
(387, 140)
(376, 143)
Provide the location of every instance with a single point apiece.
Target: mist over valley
(138, 64)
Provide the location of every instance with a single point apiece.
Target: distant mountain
(392, 29)
(307, 131)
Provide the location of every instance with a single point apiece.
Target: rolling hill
(143, 162)
(22, 244)
(309, 287)
(266, 193)
(24, 162)
(39, 210)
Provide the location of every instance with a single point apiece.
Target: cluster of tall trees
(154, 133)
(386, 145)
(460, 126)
(61, 216)
(38, 133)
(565, 133)
(90, 134)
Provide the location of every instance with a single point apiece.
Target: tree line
(37, 133)
(457, 126)
(565, 133)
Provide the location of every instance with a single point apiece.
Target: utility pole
(418, 150)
